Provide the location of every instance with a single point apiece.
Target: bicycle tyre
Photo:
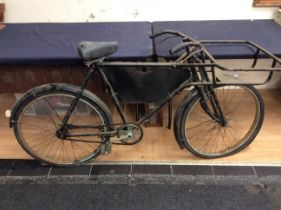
(193, 139)
(48, 104)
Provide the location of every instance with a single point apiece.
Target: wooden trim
(2, 9)
(267, 3)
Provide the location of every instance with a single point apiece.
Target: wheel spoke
(37, 133)
(207, 138)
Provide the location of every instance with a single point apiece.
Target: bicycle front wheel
(40, 117)
(243, 109)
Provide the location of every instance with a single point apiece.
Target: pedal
(106, 148)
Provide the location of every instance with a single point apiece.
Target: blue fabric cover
(56, 43)
(266, 33)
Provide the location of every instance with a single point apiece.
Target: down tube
(163, 102)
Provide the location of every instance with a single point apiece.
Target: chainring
(130, 133)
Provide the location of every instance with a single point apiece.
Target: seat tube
(76, 99)
(113, 95)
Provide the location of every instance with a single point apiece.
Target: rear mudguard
(37, 91)
(178, 115)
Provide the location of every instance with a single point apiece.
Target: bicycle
(72, 125)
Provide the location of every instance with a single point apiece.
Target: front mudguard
(178, 116)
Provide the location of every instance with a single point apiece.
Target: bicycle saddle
(95, 50)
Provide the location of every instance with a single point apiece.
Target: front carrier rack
(204, 66)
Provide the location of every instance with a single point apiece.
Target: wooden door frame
(267, 3)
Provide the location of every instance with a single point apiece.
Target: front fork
(206, 94)
(213, 108)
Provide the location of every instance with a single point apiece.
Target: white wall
(131, 10)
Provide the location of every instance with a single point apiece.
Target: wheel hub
(61, 134)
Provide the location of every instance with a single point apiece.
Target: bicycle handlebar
(180, 46)
(176, 33)
(187, 40)
(172, 32)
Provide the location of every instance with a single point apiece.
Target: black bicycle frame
(199, 79)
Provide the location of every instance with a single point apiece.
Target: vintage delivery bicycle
(71, 125)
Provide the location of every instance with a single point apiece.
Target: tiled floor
(35, 168)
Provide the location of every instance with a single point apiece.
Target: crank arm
(116, 140)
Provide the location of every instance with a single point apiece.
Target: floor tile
(233, 171)
(267, 171)
(110, 169)
(29, 168)
(191, 170)
(151, 169)
(79, 170)
(5, 166)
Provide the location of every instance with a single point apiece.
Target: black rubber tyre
(39, 114)
(206, 138)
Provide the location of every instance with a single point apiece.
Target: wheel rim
(208, 138)
(40, 119)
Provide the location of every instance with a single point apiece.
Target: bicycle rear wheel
(39, 118)
(243, 109)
